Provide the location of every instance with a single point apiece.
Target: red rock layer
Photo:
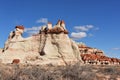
(97, 59)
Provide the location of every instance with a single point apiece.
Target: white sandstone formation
(49, 25)
(58, 23)
(14, 36)
(43, 28)
(51, 45)
(62, 24)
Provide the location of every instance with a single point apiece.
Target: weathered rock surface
(89, 50)
(51, 45)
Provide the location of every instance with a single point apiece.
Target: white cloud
(30, 33)
(84, 27)
(42, 20)
(83, 31)
(35, 28)
(32, 30)
(78, 35)
(115, 48)
(89, 26)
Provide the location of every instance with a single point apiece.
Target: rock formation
(89, 50)
(91, 55)
(14, 36)
(50, 45)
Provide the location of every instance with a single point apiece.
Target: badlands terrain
(52, 55)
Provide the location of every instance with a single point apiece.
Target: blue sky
(94, 22)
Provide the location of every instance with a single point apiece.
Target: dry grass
(50, 72)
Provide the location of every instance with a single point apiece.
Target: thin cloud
(42, 20)
(83, 28)
(90, 35)
(30, 33)
(115, 48)
(33, 30)
(78, 35)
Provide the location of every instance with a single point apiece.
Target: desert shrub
(50, 72)
(78, 72)
(88, 76)
(110, 70)
(72, 72)
(32, 72)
